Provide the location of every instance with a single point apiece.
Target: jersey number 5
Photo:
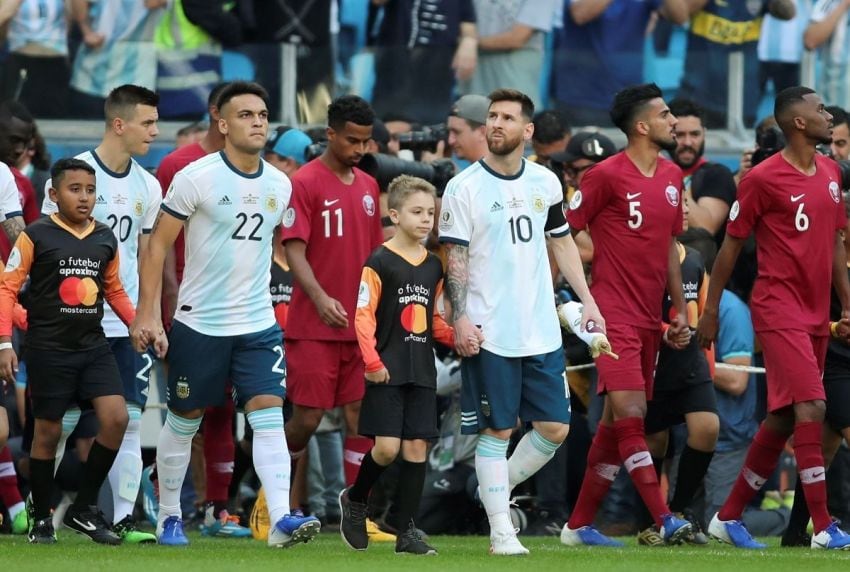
(635, 216)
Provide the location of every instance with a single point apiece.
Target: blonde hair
(405, 185)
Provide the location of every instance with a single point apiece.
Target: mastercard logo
(75, 291)
(414, 318)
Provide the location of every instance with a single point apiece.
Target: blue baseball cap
(289, 142)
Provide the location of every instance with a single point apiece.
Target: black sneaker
(41, 532)
(352, 524)
(410, 542)
(90, 522)
(696, 536)
(796, 539)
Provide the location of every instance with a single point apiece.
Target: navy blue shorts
(135, 369)
(497, 390)
(200, 365)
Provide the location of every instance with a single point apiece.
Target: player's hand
(465, 59)
(678, 335)
(707, 328)
(160, 344)
(468, 338)
(331, 312)
(600, 345)
(8, 365)
(93, 39)
(380, 376)
(143, 332)
(591, 318)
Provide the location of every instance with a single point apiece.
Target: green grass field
(328, 554)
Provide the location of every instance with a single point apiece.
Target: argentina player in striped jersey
(230, 204)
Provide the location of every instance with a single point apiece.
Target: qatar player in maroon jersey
(332, 225)
(631, 203)
(792, 202)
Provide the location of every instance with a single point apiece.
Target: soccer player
(218, 420)
(792, 202)
(72, 263)
(494, 219)
(631, 205)
(230, 204)
(127, 201)
(331, 227)
(396, 321)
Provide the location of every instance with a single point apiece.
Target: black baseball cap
(586, 145)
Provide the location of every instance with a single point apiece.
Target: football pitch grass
(328, 554)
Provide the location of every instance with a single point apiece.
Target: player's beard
(697, 153)
(668, 144)
(504, 147)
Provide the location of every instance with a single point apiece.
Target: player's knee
(47, 434)
(808, 411)
(554, 432)
(414, 450)
(115, 422)
(385, 452)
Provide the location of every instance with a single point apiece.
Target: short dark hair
(629, 102)
(350, 108)
(681, 107)
(839, 116)
(550, 125)
(505, 94)
(785, 100)
(215, 93)
(122, 101)
(237, 88)
(62, 166)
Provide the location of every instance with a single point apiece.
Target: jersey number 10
(520, 228)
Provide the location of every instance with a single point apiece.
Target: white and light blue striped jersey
(230, 223)
(503, 221)
(833, 82)
(782, 40)
(10, 200)
(128, 203)
(127, 55)
(40, 22)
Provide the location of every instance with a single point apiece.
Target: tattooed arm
(468, 337)
(13, 227)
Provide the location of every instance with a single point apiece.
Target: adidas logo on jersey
(101, 200)
(225, 200)
(496, 207)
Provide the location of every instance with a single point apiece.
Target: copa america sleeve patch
(14, 260)
(733, 212)
(575, 202)
(363, 295)
(289, 217)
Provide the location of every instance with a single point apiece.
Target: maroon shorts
(324, 374)
(635, 370)
(794, 362)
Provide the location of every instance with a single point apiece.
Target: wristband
(6, 346)
(833, 330)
